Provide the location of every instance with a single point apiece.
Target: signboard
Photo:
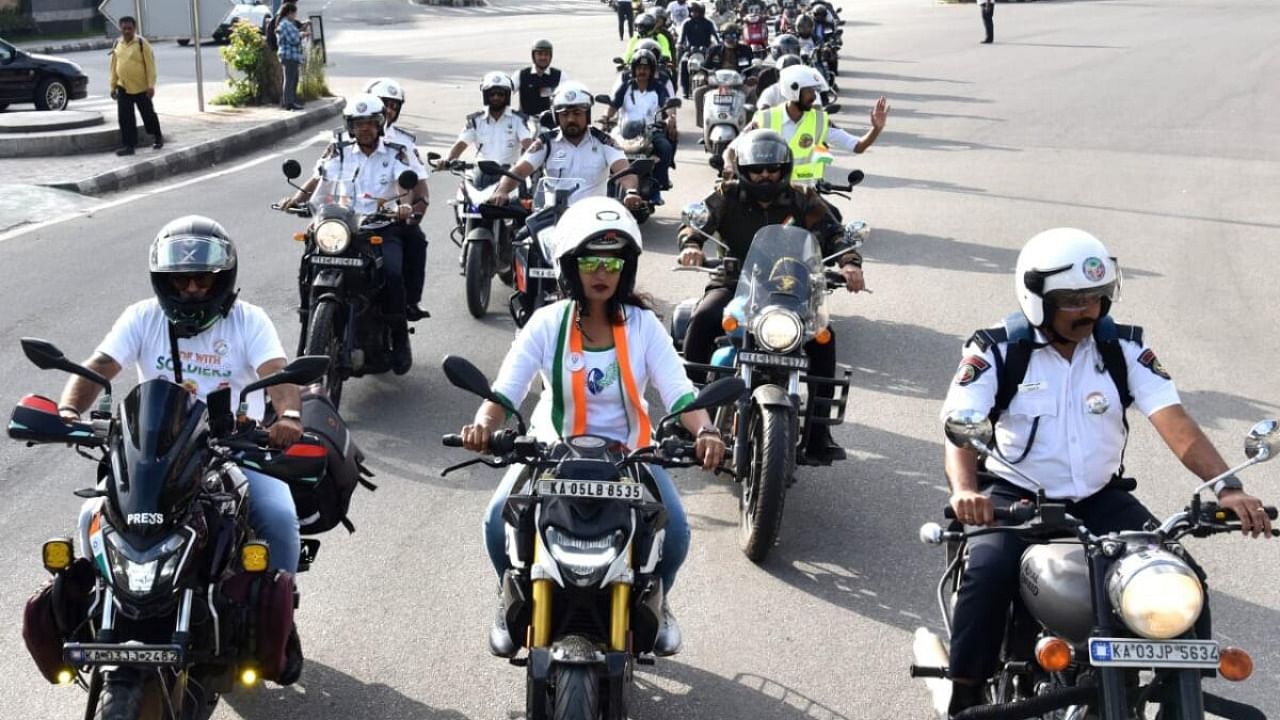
(167, 18)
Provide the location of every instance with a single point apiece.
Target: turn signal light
(823, 336)
(375, 240)
(1235, 664)
(255, 556)
(1054, 654)
(66, 676)
(248, 677)
(729, 323)
(300, 237)
(56, 554)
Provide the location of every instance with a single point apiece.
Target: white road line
(321, 136)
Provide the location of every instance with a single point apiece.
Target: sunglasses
(592, 263)
(202, 281)
(1076, 299)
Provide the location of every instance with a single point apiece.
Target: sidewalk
(58, 47)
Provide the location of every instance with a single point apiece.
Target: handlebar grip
(503, 442)
(835, 279)
(1017, 512)
(451, 440)
(1224, 515)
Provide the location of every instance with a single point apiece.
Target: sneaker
(669, 638)
(124, 151)
(293, 660)
(500, 642)
(401, 353)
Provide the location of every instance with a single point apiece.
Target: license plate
(592, 489)
(724, 99)
(793, 362)
(1130, 652)
(81, 654)
(545, 273)
(332, 260)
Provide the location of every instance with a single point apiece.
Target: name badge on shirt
(1030, 387)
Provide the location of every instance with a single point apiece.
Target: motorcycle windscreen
(783, 268)
(332, 194)
(158, 453)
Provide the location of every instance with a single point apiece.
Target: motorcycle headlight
(1155, 593)
(695, 64)
(585, 560)
(779, 330)
(332, 237)
(143, 572)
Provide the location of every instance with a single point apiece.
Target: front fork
(540, 626)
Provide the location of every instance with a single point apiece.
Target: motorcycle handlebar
(1017, 513)
(451, 440)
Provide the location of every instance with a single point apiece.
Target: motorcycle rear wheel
(478, 268)
(763, 490)
(577, 694)
(322, 339)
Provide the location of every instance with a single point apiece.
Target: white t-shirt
(227, 354)
(642, 105)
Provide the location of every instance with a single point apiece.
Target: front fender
(327, 281)
(723, 133)
(771, 396)
(480, 234)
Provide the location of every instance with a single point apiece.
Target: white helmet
(571, 94)
(497, 80)
(798, 77)
(385, 88)
(361, 106)
(597, 223)
(1063, 259)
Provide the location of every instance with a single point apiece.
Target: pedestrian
(537, 83)
(988, 19)
(132, 79)
(626, 16)
(289, 39)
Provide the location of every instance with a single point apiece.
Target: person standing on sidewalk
(988, 19)
(626, 18)
(289, 41)
(132, 79)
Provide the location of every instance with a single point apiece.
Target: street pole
(195, 43)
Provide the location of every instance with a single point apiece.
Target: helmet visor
(1084, 299)
(191, 254)
(768, 152)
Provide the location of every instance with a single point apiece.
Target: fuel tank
(1054, 583)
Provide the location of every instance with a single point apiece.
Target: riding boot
(963, 697)
(500, 642)
(823, 448)
(401, 352)
(669, 637)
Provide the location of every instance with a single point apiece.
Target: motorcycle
(164, 601)
(1104, 625)
(779, 305)
(725, 111)
(635, 139)
(755, 33)
(693, 59)
(483, 231)
(340, 281)
(585, 532)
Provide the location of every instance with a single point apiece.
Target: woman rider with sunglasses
(597, 351)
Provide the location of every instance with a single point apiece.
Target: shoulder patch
(412, 138)
(1149, 360)
(986, 338)
(603, 137)
(971, 368)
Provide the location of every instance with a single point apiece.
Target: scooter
(725, 111)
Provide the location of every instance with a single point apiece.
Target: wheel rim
(752, 481)
(56, 96)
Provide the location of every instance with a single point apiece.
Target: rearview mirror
(673, 104)
(604, 99)
(1263, 440)
(721, 392)
(696, 213)
(302, 371)
(407, 180)
(464, 375)
(832, 108)
(969, 429)
(46, 356)
(857, 233)
(433, 156)
(292, 170)
(856, 176)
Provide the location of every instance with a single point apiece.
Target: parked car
(47, 81)
(256, 13)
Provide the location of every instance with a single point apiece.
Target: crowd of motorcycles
(158, 619)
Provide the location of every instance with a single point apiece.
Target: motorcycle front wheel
(577, 693)
(130, 694)
(478, 270)
(322, 339)
(764, 488)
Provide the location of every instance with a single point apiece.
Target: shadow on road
(1226, 411)
(327, 693)
(897, 358)
(894, 247)
(672, 689)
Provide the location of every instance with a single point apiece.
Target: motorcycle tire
(763, 490)
(322, 339)
(577, 694)
(126, 695)
(478, 270)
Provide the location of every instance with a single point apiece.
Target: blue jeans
(674, 548)
(274, 518)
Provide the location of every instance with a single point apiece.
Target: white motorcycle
(725, 111)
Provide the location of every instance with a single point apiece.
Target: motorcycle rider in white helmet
(573, 150)
(597, 249)
(500, 133)
(392, 96)
(1062, 422)
(373, 166)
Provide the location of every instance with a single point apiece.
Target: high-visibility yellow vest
(808, 143)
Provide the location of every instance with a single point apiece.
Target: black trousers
(990, 581)
(625, 17)
(394, 240)
(704, 328)
(415, 263)
(988, 20)
(125, 104)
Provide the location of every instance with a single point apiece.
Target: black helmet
(760, 148)
(193, 244)
(787, 61)
(820, 12)
(731, 33)
(644, 57)
(646, 24)
(697, 9)
(542, 44)
(786, 44)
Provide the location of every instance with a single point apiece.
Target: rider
(761, 196)
(647, 29)
(804, 31)
(499, 133)
(1066, 425)
(373, 166)
(415, 247)
(197, 333)
(612, 347)
(664, 77)
(697, 32)
(573, 150)
(664, 30)
(679, 12)
(730, 54)
(641, 99)
(771, 95)
(539, 81)
(809, 129)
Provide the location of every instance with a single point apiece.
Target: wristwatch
(1230, 482)
(708, 430)
(291, 415)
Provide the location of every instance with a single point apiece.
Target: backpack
(323, 505)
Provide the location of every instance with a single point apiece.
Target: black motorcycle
(168, 603)
(1104, 625)
(340, 281)
(582, 595)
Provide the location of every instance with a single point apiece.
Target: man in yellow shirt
(132, 80)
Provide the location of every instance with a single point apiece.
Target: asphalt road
(1149, 124)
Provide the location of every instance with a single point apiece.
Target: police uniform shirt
(496, 140)
(409, 141)
(588, 161)
(1080, 437)
(373, 177)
